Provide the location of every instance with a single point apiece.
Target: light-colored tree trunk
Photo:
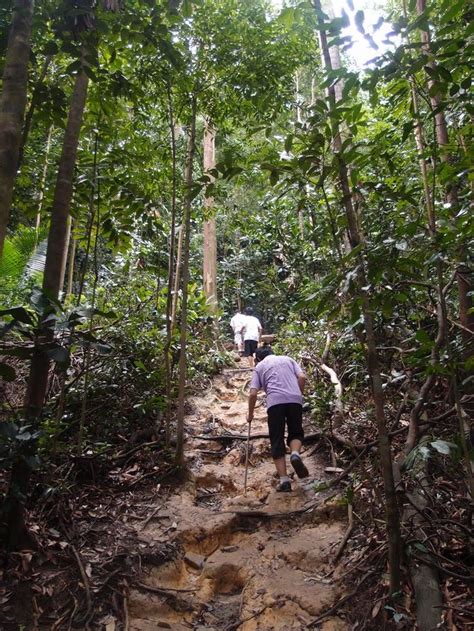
(177, 277)
(13, 104)
(209, 229)
(188, 178)
(373, 365)
(70, 275)
(171, 265)
(58, 235)
(42, 188)
(297, 97)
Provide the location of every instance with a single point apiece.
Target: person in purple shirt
(283, 381)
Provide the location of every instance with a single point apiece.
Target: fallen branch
(347, 535)
(264, 514)
(341, 602)
(150, 517)
(164, 590)
(85, 582)
(126, 454)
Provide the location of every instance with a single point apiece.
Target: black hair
(248, 311)
(262, 352)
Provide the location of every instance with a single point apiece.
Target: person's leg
(248, 352)
(276, 430)
(294, 419)
(251, 345)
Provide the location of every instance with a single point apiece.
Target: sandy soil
(247, 562)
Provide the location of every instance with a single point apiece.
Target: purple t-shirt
(277, 375)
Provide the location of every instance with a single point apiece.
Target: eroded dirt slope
(242, 562)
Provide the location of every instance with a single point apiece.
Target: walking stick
(247, 461)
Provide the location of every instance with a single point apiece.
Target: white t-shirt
(252, 328)
(237, 322)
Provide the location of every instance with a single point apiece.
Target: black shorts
(250, 346)
(289, 414)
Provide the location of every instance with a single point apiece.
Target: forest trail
(231, 571)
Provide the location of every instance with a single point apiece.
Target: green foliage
(21, 263)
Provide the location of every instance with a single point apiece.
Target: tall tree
(373, 364)
(13, 104)
(209, 230)
(188, 180)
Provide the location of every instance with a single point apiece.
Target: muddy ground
(257, 561)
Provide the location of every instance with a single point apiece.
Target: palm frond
(19, 254)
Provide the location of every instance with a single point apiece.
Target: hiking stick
(247, 461)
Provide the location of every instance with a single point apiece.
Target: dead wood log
(424, 574)
(322, 365)
(347, 534)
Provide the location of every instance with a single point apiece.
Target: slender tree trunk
(58, 232)
(58, 235)
(188, 178)
(72, 258)
(210, 237)
(171, 266)
(44, 176)
(177, 277)
(297, 98)
(13, 104)
(465, 276)
(441, 302)
(32, 108)
(355, 236)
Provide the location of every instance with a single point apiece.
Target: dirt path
(230, 570)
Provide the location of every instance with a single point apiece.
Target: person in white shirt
(237, 322)
(251, 332)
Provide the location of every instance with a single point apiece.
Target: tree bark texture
(373, 366)
(424, 577)
(13, 104)
(58, 232)
(188, 178)
(209, 229)
(58, 237)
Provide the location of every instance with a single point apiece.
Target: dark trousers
(279, 416)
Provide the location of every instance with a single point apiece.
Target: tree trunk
(441, 302)
(210, 238)
(44, 176)
(58, 235)
(424, 577)
(177, 278)
(31, 110)
(188, 178)
(171, 266)
(58, 232)
(70, 275)
(464, 275)
(13, 104)
(355, 236)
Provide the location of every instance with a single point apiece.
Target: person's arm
(252, 402)
(301, 381)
